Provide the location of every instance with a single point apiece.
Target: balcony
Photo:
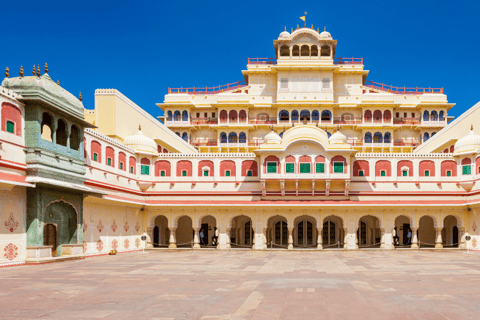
(348, 61)
(262, 120)
(273, 61)
(176, 122)
(340, 120)
(209, 90)
(204, 121)
(262, 61)
(233, 121)
(406, 120)
(401, 90)
(204, 143)
(403, 143)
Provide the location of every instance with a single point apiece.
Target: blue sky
(142, 48)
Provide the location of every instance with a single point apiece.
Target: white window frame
(276, 164)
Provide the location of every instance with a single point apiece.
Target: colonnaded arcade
(305, 153)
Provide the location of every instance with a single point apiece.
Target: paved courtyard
(247, 285)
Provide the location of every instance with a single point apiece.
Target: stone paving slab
(219, 285)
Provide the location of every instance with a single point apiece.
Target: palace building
(304, 153)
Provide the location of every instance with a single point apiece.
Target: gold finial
(471, 127)
(6, 73)
(325, 28)
(38, 71)
(291, 30)
(21, 72)
(318, 30)
(285, 28)
(297, 27)
(312, 27)
(46, 67)
(80, 96)
(139, 127)
(58, 82)
(34, 72)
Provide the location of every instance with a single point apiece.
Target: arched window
(425, 115)
(295, 51)
(223, 116)
(426, 136)
(46, 127)
(178, 134)
(242, 137)
(434, 116)
(233, 115)
(377, 116)
(74, 138)
(169, 116)
(387, 116)
(314, 51)
(304, 115)
(185, 115)
(281, 134)
(325, 51)
(61, 133)
(284, 51)
(326, 115)
(223, 137)
(329, 134)
(242, 115)
(377, 137)
(305, 51)
(294, 115)
(368, 137)
(433, 133)
(283, 115)
(441, 116)
(367, 116)
(387, 137)
(232, 137)
(185, 136)
(176, 116)
(315, 115)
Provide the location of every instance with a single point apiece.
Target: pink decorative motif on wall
(85, 247)
(137, 243)
(474, 243)
(474, 227)
(11, 224)
(100, 226)
(114, 226)
(126, 227)
(85, 226)
(137, 227)
(99, 245)
(11, 251)
(126, 243)
(114, 244)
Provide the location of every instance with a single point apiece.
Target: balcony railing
(263, 120)
(204, 120)
(262, 60)
(205, 143)
(348, 61)
(406, 120)
(401, 90)
(233, 120)
(209, 90)
(403, 143)
(347, 120)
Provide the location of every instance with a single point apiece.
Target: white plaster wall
(13, 205)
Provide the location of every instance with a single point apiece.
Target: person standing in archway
(409, 236)
(201, 237)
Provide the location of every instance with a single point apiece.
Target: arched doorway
(277, 232)
(184, 232)
(426, 232)
(63, 217)
(450, 232)
(402, 225)
(368, 232)
(208, 226)
(161, 233)
(305, 232)
(332, 232)
(241, 232)
(50, 237)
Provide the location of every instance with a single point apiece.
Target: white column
(290, 238)
(438, 238)
(319, 238)
(414, 238)
(173, 238)
(196, 238)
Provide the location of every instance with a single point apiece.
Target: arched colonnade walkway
(304, 230)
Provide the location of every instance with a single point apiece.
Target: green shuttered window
(290, 167)
(338, 167)
(320, 167)
(466, 169)
(10, 127)
(304, 167)
(271, 167)
(145, 170)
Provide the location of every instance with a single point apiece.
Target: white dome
(337, 138)
(272, 138)
(468, 144)
(140, 143)
(325, 34)
(284, 34)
